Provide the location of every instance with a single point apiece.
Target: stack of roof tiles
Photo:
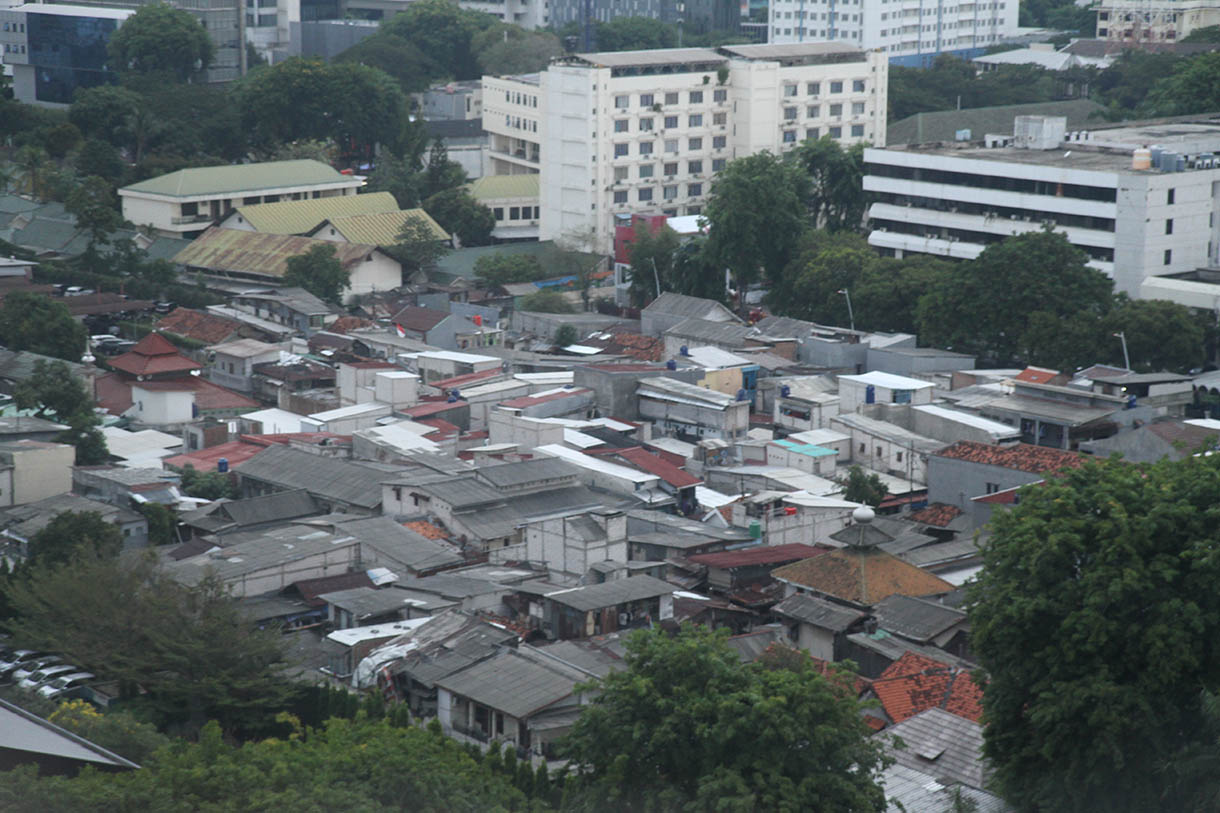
(916, 683)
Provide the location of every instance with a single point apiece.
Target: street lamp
(851, 316)
(1123, 337)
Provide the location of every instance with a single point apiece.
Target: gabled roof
(689, 306)
(301, 216)
(611, 593)
(494, 187)
(381, 228)
(863, 576)
(707, 330)
(26, 737)
(916, 683)
(1020, 456)
(514, 683)
(525, 472)
(758, 555)
(154, 355)
(917, 619)
(248, 252)
(419, 319)
(335, 479)
(198, 325)
(232, 178)
(819, 612)
(654, 464)
(938, 513)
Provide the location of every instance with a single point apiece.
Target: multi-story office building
(1154, 21)
(55, 49)
(1137, 213)
(528, 14)
(910, 32)
(695, 16)
(618, 134)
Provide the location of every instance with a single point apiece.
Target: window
(898, 457)
(857, 131)
(718, 164)
(620, 150)
(621, 102)
(1168, 256)
(836, 110)
(836, 87)
(695, 143)
(646, 124)
(696, 97)
(857, 86)
(498, 212)
(789, 90)
(645, 194)
(645, 100)
(670, 168)
(669, 192)
(645, 148)
(835, 132)
(620, 196)
(671, 98)
(620, 173)
(620, 125)
(646, 170)
(671, 121)
(789, 136)
(992, 488)
(694, 167)
(1169, 226)
(695, 120)
(879, 452)
(813, 111)
(1169, 197)
(863, 448)
(720, 95)
(694, 189)
(671, 145)
(812, 132)
(857, 108)
(514, 213)
(720, 118)
(813, 88)
(789, 113)
(718, 142)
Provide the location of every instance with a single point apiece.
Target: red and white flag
(402, 334)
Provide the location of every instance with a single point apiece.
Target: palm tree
(33, 164)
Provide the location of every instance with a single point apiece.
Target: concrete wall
(327, 563)
(161, 408)
(893, 360)
(504, 427)
(954, 481)
(39, 470)
(567, 555)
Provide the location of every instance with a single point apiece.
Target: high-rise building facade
(54, 50)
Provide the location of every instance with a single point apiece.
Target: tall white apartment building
(623, 133)
(910, 32)
(1139, 213)
(1147, 21)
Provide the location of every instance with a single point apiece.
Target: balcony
(188, 219)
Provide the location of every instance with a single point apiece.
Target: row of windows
(670, 192)
(980, 181)
(991, 211)
(18, 28)
(518, 123)
(517, 213)
(814, 111)
(814, 133)
(516, 97)
(669, 168)
(623, 100)
(668, 122)
(670, 145)
(815, 88)
(13, 49)
(983, 238)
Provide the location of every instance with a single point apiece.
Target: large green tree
(319, 272)
(443, 33)
(634, 34)
(501, 268)
(509, 49)
(652, 258)
(836, 198)
(688, 726)
(1192, 88)
(73, 534)
(461, 215)
(399, 58)
(1095, 616)
(95, 206)
(41, 325)
(756, 216)
(164, 40)
(53, 390)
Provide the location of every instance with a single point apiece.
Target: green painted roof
(301, 216)
(493, 187)
(251, 252)
(234, 178)
(381, 229)
(942, 125)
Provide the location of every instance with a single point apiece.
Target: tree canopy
(460, 214)
(500, 268)
(1095, 616)
(53, 389)
(444, 32)
(865, 487)
(837, 200)
(319, 272)
(72, 534)
(161, 39)
(688, 726)
(41, 325)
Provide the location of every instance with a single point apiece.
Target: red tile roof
(1020, 456)
(427, 529)
(345, 323)
(916, 683)
(463, 380)
(441, 426)
(153, 355)
(432, 408)
(113, 393)
(653, 464)
(938, 513)
(864, 576)
(761, 555)
(419, 319)
(235, 451)
(1037, 375)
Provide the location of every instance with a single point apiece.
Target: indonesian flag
(402, 334)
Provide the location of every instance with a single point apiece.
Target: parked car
(18, 658)
(65, 684)
(46, 675)
(115, 348)
(30, 667)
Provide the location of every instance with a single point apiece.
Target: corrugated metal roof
(257, 253)
(301, 216)
(236, 178)
(381, 229)
(515, 683)
(819, 612)
(612, 593)
(915, 618)
(330, 479)
(491, 187)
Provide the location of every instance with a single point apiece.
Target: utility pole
(1122, 336)
(850, 315)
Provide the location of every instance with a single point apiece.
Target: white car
(46, 675)
(30, 667)
(64, 683)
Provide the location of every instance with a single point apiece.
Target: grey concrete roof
(516, 682)
(270, 507)
(23, 424)
(689, 306)
(366, 602)
(916, 618)
(510, 475)
(329, 478)
(31, 736)
(705, 330)
(939, 743)
(26, 520)
(659, 56)
(256, 551)
(818, 612)
(942, 125)
(402, 546)
(612, 593)
(672, 389)
(910, 791)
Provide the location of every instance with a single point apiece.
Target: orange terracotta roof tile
(916, 683)
(345, 323)
(1037, 375)
(1019, 456)
(198, 325)
(425, 528)
(864, 576)
(938, 513)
